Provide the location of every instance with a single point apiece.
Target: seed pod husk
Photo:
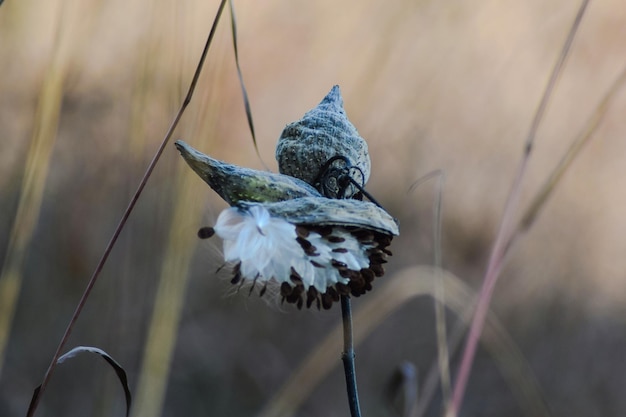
(306, 148)
(236, 184)
(322, 211)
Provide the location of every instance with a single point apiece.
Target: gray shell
(324, 132)
(332, 212)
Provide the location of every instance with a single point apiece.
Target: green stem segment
(348, 357)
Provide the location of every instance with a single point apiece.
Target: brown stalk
(506, 231)
(92, 281)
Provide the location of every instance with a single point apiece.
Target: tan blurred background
(88, 89)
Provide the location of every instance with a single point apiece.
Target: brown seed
(302, 231)
(338, 264)
(285, 289)
(378, 258)
(342, 289)
(367, 274)
(303, 242)
(327, 301)
(311, 295)
(333, 293)
(206, 232)
(340, 250)
(335, 239)
(374, 251)
(355, 275)
(323, 230)
(357, 284)
(298, 290)
(383, 240)
(378, 270)
(363, 235)
(317, 265)
(293, 298)
(307, 246)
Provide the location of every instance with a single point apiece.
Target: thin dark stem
(348, 357)
(92, 281)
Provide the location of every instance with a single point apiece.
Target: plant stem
(348, 357)
(506, 231)
(118, 230)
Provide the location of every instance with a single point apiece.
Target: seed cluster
(358, 283)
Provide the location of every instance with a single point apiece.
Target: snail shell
(306, 147)
(322, 211)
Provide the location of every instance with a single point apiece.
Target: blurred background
(87, 91)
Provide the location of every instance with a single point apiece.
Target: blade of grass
(512, 364)
(119, 370)
(169, 303)
(505, 230)
(170, 298)
(587, 133)
(246, 101)
(443, 356)
(127, 212)
(33, 183)
(402, 287)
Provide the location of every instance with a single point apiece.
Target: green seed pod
(322, 147)
(236, 184)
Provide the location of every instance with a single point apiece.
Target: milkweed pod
(314, 248)
(321, 146)
(236, 184)
(321, 211)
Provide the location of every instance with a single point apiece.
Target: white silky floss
(266, 247)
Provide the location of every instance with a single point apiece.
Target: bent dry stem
(348, 357)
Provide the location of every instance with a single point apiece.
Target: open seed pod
(323, 147)
(314, 248)
(234, 183)
(281, 231)
(321, 211)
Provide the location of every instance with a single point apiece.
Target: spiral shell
(323, 146)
